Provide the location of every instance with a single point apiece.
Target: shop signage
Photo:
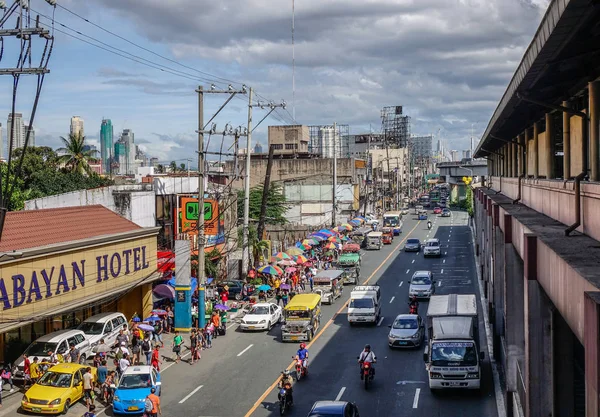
(30, 282)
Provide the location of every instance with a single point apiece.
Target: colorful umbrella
(330, 245)
(293, 251)
(335, 239)
(318, 237)
(136, 319)
(326, 232)
(355, 222)
(271, 270)
(348, 226)
(290, 269)
(280, 256)
(151, 319)
(263, 287)
(159, 312)
(164, 291)
(285, 286)
(359, 219)
(146, 327)
(300, 259)
(222, 307)
(286, 262)
(310, 242)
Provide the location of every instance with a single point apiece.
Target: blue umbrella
(146, 327)
(319, 237)
(136, 319)
(264, 287)
(152, 318)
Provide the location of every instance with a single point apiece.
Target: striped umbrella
(335, 239)
(270, 270)
(310, 242)
(286, 262)
(326, 232)
(348, 226)
(330, 245)
(281, 256)
(318, 237)
(301, 259)
(293, 251)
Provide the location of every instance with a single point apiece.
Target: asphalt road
(236, 377)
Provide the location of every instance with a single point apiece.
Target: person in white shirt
(124, 363)
(367, 355)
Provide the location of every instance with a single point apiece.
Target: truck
(452, 356)
(365, 304)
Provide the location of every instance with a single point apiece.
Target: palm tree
(75, 158)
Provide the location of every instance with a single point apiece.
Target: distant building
(325, 139)
(121, 157)
(90, 148)
(361, 143)
(18, 132)
(1, 143)
(466, 154)
(454, 156)
(154, 162)
(258, 148)
(77, 126)
(290, 139)
(127, 138)
(422, 146)
(106, 144)
(31, 131)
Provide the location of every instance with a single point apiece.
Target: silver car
(412, 245)
(432, 248)
(422, 285)
(407, 330)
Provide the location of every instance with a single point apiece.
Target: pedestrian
(155, 361)
(135, 350)
(194, 346)
(102, 373)
(278, 296)
(216, 322)
(177, 343)
(170, 319)
(34, 370)
(107, 390)
(208, 331)
(158, 331)
(91, 411)
(74, 354)
(285, 298)
(102, 346)
(146, 348)
(154, 407)
(88, 387)
(123, 364)
(7, 377)
(224, 295)
(2, 389)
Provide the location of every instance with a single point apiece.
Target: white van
(365, 304)
(56, 342)
(103, 326)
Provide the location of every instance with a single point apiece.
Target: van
(365, 304)
(103, 326)
(56, 342)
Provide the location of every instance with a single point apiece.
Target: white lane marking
(448, 240)
(444, 261)
(340, 394)
(416, 400)
(442, 271)
(440, 283)
(392, 299)
(401, 282)
(445, 253)
(378, 324)
(407, 271)
(245, 350)
(187, 397)
(413, 261)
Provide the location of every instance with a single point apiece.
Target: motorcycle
(367, 373)
(429, 225)
(284, 401)
(413, 308)
(300, 369)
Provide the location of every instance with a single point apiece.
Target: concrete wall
(175, 185)
(543, 147)
(134, 202)
(576, 144)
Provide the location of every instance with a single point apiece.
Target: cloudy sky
(446, 61)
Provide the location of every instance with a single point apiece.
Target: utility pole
(263, 206)
(245, 242)
(333, 199)
(200, 275)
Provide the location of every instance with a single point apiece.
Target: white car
(262, 316)
(404, 211)
(432, 248)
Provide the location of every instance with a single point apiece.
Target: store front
(75, 265)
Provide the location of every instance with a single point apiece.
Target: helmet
(302, 345)
(367, 347)
(286, 372)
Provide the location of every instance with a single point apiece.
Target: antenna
(293, 64)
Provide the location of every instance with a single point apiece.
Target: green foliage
(469, 201)
(257, 247)
(276, 204)
(211, 263)
(19, 194)
(75, 158)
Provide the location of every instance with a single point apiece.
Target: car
(422, 285)
(333, 409)
(407, 330)
(133, 388)
(235, 288)
(57, 390)
(437, 210)
(262, 316)
(446, 212)
(58, 342)
(103, 326)
(412, 245)
(432, 248)
(404, 211)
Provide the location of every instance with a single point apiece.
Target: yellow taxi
(57, 390)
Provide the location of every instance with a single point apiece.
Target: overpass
(454, 172)
(537, 222)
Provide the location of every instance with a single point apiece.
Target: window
(109, 327)
(77, 378)
(277, 146)
(291, 146)
(79, 338)
(71, 340)
(62, 348)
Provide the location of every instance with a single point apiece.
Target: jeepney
(374, 240)
(359, 236)
(388, 235)
(349, 262)
(302, 318)
(329, 284)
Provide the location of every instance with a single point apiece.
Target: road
(236, 377)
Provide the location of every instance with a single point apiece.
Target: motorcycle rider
(367, 355)
(429, 224)
(413, 304)
(302, 355)
(286, 382)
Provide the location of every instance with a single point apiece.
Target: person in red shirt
(26, 370)
(156, 358)
(225, 295)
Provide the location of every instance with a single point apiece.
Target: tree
(182, 167)
(37, 160)
(173, 166)
(19, 194)
(75, 158)
(257, 246)
(276, 204)
(212, 260)
(160, 169)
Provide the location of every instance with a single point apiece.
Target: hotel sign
(32, 286)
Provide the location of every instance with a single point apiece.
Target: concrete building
(327, 141)
(106, 144)
(127, 137)
(289, 140)
(454, 156)
(421, 146)
(77, 126)
(466, 154)
(120, 158)
(361, 143)
(18, 135)
(536, 222)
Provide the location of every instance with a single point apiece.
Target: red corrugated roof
(33, 228)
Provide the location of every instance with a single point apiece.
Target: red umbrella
(351, 247)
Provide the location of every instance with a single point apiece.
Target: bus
(424, 200)
(434, 196)
(393, 219)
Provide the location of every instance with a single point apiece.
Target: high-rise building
(31, 130)
(106, 144)
(18, 132)
(466, 154)
(154, 162)
(454, 155)
(77, 126)
(121, 157)
(127, 137)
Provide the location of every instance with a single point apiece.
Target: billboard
(188, 216)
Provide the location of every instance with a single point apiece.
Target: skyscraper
(106, 144)
(29, 129)
(18, 128)
(77, 126)
(121, 157)
(127, 137)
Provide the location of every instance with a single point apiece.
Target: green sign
(191, 210)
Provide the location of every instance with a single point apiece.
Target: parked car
(404, 211)
(56, 342)
(437, 210)
(235, 288)
(412, 245)
(103, 326)
(262, 316)
(422, 285)
(446, 212)
(57, 390)
(407, 330)
(432, 248)
(133, 388)
(334, 409)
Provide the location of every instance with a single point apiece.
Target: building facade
(77, 126)
(291, 139)
(18, 132)
(421, 146)
(127, 137)
(106, 144)
(327, 141)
